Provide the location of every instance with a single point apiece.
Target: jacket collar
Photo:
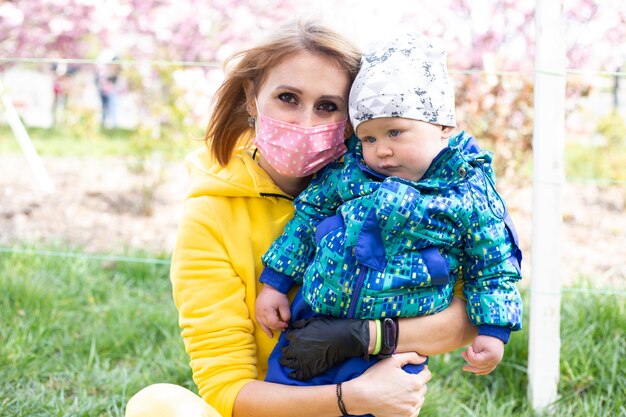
(452, 165)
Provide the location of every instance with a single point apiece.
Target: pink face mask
(298, 151)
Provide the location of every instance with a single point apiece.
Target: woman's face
(305, 90)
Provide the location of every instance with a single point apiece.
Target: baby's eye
(369, 139)
(394, 132)
(328, 107)
(288, 98)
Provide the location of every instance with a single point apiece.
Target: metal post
(548, 179)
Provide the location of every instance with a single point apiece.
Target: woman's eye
(394, 132)
(329, 107)
(287, 98)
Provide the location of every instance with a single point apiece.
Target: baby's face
(399, 147)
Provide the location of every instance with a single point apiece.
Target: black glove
(318, 344)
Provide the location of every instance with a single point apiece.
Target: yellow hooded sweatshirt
(231, 216)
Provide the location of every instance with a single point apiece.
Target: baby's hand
(272, 310)
(483, 355)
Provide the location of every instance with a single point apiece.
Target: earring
(251, 121)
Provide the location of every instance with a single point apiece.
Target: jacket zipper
(356, 293)
(276, 195)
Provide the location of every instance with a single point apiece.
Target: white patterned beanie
(403, 77)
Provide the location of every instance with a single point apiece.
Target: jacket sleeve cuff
(277, 280)
(499, 332)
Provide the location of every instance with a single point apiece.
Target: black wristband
(389, 335)
(342, 406)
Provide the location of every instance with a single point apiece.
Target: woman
(239, 202)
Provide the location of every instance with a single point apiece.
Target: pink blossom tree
(486, 36)
(166, 31)
(491, 54)
(188, 30)
(47, 28)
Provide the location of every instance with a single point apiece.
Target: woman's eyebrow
(339, 98)
(288, 87)
(299, 91)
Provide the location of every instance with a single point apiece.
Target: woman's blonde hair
(228, 125)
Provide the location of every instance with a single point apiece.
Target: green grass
(63, 141)
(593, 367)
(80, 336)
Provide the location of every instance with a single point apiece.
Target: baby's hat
(405, 76)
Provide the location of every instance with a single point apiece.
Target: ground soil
(102, 206)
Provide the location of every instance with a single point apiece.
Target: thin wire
(595, 72)
(485, 72)
(606, 181)
(604, 291)
(139, 62)
(597, 291)
(217, 65)
(561, 73)
(213, 64)
(80, 255)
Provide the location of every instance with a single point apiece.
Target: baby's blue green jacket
(366, 246)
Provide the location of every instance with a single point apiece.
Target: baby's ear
(446, 131)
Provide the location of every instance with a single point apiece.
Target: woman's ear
(248, 88)
(446, 131)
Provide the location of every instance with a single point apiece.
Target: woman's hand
(386, 390)
(318, 344)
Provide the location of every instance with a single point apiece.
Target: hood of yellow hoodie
(241, 177)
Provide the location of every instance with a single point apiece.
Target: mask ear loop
(256, 130)
(258, 116)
